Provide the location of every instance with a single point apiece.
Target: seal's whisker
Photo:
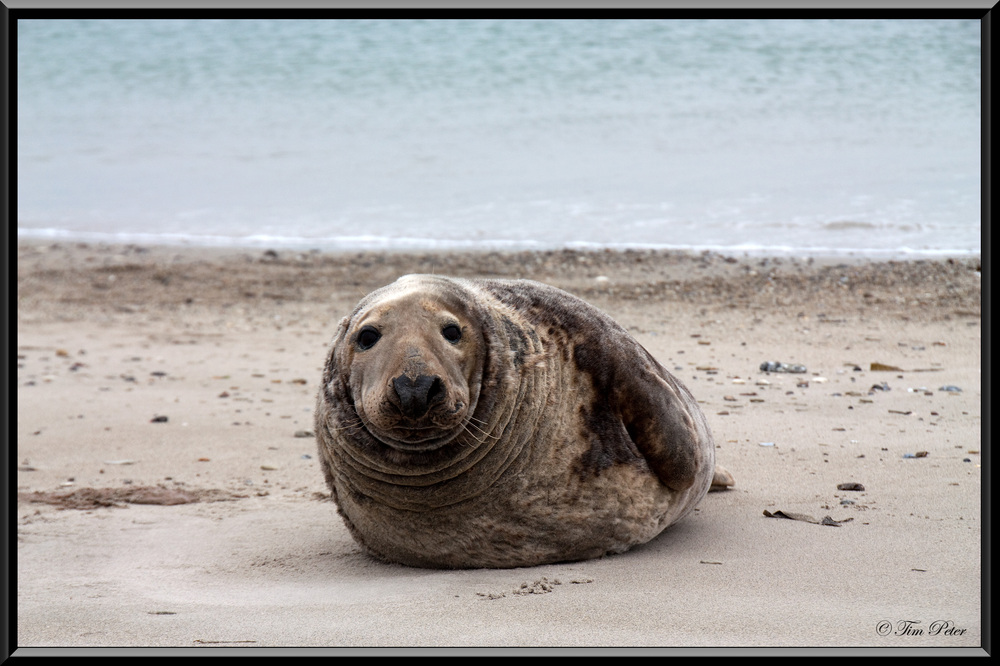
(465, 430)
(352, 425)
(458, 440)
(484, 426)
(485, 433)
(348, 425)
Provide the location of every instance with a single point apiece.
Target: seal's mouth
(417, 438)
(424, 431)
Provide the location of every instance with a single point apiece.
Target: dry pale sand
(166, 498)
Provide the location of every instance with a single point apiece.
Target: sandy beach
(169, 495)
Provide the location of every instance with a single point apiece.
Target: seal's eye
(452, 333)
(368, 336)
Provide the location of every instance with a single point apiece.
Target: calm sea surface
(764, 135)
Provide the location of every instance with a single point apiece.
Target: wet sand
(168, 492)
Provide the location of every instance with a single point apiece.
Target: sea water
(806, 136)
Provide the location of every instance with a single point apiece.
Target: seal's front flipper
(722, 480)
(667, 426)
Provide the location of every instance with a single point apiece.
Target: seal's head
(413, 353)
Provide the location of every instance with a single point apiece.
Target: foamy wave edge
(387, 243)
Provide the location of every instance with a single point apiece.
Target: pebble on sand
(776, 366)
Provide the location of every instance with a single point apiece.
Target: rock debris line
(64, 280)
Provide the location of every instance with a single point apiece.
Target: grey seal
(503, 423)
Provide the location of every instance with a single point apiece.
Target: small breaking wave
(404, 243)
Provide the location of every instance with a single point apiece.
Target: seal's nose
(417, 395)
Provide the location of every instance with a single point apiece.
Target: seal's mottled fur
(550, 434)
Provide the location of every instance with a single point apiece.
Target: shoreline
(232, 543)
(419, 246)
